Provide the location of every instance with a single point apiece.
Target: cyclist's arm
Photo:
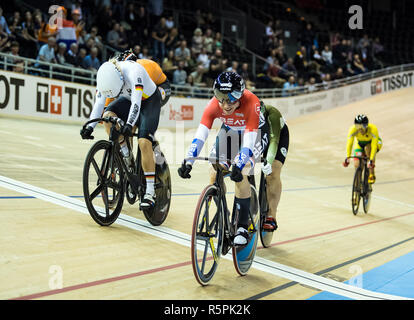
(374, 142)
(276, 123)
(136, 84)
(98, 108)
(350, 142)
(250, 133)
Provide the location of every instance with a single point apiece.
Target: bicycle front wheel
(103, 186)
(207, 235)
(356, 190)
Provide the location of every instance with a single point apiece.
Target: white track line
(262, 264)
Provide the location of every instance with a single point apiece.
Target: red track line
(99, 282)
(182, 264)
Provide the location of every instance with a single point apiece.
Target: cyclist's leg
(117, 108)
(148, 124)
(274, 182)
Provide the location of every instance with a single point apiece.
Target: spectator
(77, 22)
(339, 74)
(327, 55)
(142, 24)
(288, 69)
(91, 61)
(15, 24)
(145, 53)
(208, 41)
(204, 58)
(234, 67)
(118, 10)
(281, 55)
(308, 39)
(168, 65)
(247, 76)
(269, 30)
(363, 46)
(198, 76)
(123, 38)
(217, 66)
(273, 74)
(3, 22)
(198, 17)
(326, 81)
(18, 67)
(357, 65)
(29, 37)
(14, 51)
(340, 53)
(180, 75)
(76, 7)
(61, 53)
(71, 55)
(113, 37)
(137, 51)
(93, 34)
(289, 86)
(47, 51)
(211, 22)
(169, 23)
(312, 85)
(182, 53)
(218, 41)
(46, 31)
(4, 40)
(131, 17)
(300, 61)
(66, 30)
(172, 41)
(197, 41)
(81, 58)
(159, 36)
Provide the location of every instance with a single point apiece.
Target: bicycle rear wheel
(356, 190)
(366, 201)
(103, 184)
(157, 215)
(243, 256)
(207, 235)
(265, 236)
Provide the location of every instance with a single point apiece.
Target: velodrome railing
(72, 74)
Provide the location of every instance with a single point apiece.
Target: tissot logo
(392, 83)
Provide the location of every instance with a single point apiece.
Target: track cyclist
(239, 111)
(137, 89)
(368, 142)
(275, 145)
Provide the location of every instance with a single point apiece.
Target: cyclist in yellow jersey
(368, 142)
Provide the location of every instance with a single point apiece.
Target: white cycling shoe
(241, 237)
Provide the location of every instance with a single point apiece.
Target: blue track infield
(395, 277)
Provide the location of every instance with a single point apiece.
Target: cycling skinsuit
(275, 135)
(138, 103)
(241, 127)
(370, 137)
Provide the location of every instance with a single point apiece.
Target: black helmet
(361, 119)
(229, 86)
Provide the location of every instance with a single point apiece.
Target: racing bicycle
(214, 229)
(108, 178)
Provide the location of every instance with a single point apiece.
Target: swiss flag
(55, 99)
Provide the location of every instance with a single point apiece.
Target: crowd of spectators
(315, 62)
(194, 60)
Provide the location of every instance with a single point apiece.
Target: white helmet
(109, 80)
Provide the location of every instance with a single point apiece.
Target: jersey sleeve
(98, 108)
(350, 142)
(276, 123)
(374, 142)
(134, 81)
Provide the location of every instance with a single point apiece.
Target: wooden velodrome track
(50, 248)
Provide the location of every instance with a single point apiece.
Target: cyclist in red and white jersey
(239, 111)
